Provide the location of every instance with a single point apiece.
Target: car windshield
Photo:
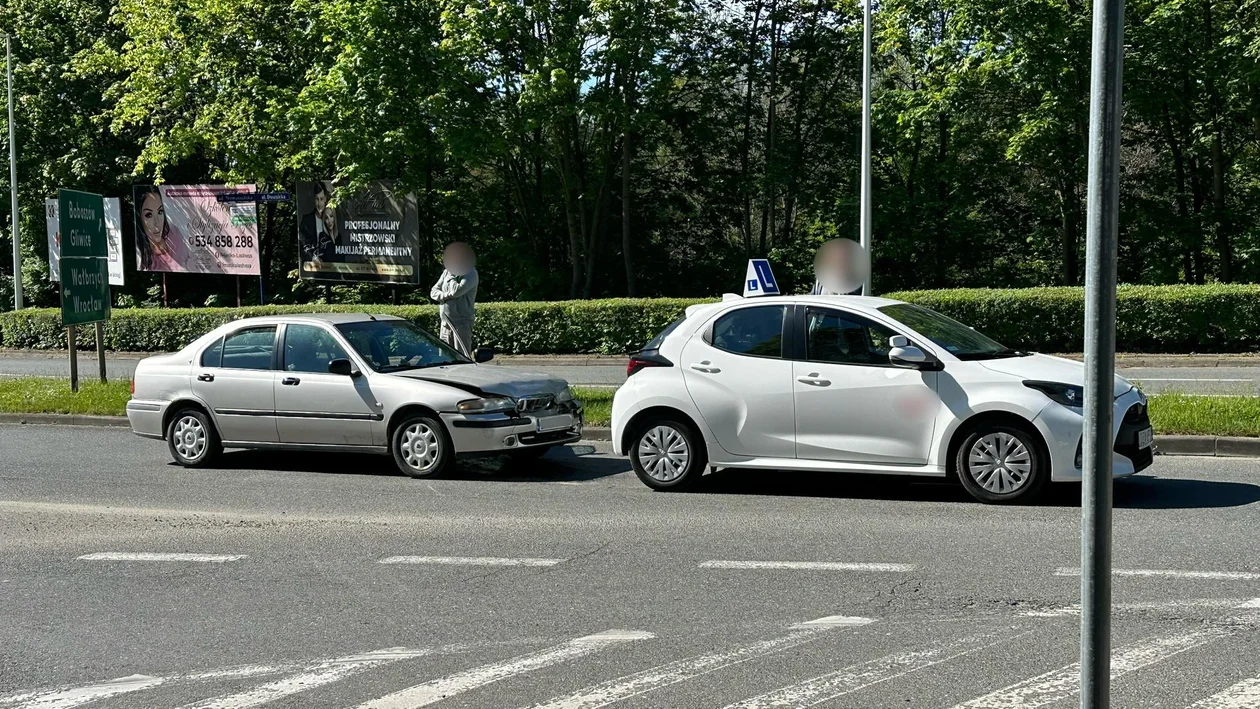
(398, 345)
(957, 339)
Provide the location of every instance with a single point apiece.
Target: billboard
(186, 229)
(113, 240)
(371, 235)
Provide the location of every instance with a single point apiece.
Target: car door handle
(205, 377)
(290, 381)
(813, 380)
(705, 367)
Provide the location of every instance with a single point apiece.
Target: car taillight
(645, 360)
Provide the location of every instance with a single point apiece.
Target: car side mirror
(904, 354)
(483, 354)
(344, 367)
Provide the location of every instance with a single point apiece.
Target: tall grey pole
(17, 241)
(1103, 223)
(865, 218)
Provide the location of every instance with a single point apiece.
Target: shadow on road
(1141, 492)
(566, 464)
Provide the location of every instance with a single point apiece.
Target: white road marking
(76, 696)
(316, 676)
(1062, 683)
(1149, 379)
(856, 677)
(1244, 695)
(1075, 608)
(425, 694)
(469, 561)
(806, 566)
(623, 688)
(236, 672)
(1171, 573)
(153, 556)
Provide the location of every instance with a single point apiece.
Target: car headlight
(486, 405)
(565, 396)
(1066, 394)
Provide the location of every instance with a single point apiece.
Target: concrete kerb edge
(1219, 446)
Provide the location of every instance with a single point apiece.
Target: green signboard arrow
(85, 294)
(82, 224)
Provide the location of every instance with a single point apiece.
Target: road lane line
(436, 690)
(633, 685)
(860, 676)
(316, 676)
(1253, 603)
(1065, 682)
(806, 566)
(1171, 573)
(1244, 695)
(1149, 379)
(77, 696)
(469, 561)
(152, 556)
(1075, 609)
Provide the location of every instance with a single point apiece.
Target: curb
(66, 420)
(1215, 446)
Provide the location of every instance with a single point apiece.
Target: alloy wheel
(664, 453)
(999, 463)
(189, 438)
(419, 446)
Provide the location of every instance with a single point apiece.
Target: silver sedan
(345, 382)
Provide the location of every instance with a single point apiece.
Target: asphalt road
(1190, 380)
(568, 584)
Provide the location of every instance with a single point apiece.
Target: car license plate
(1146, 437)
(554, 423)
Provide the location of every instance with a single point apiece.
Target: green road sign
(82, 224)
(84, 290)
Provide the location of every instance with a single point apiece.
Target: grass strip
(1171, 413)
(49, 395)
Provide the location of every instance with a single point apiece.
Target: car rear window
(655, 342)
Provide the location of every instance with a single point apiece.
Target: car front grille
(535, 404)
(1137, 418)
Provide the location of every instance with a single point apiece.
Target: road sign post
(1103, 217)
(85, 297)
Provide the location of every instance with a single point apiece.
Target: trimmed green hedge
(1159, 319)
(1166, 319)
(565, 327)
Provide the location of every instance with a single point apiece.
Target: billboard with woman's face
(186, 229)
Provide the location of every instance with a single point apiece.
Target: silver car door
(314, 406)
(236, 378)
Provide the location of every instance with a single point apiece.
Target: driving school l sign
(84, 268)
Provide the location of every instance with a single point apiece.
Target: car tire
(667, 454)
(421, 447)
(999, 463)
(192, 439)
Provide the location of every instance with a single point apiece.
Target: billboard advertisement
(186, 229)
(113, 239)
(371, 235)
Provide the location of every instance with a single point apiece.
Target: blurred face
(841, 265)
(153, 218)
(458, 258)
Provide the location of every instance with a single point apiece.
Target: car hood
(490, 379)
(1044, 368)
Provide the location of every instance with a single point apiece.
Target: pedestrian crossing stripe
(1038, 691)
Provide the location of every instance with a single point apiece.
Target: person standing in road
(456, 291)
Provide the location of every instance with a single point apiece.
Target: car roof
(850, 301)
(330, 318)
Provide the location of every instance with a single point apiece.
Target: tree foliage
(592, 148)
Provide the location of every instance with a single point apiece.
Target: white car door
(314, 406)
(740, 381)
(851, 404)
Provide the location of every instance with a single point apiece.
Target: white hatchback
(858, 385)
